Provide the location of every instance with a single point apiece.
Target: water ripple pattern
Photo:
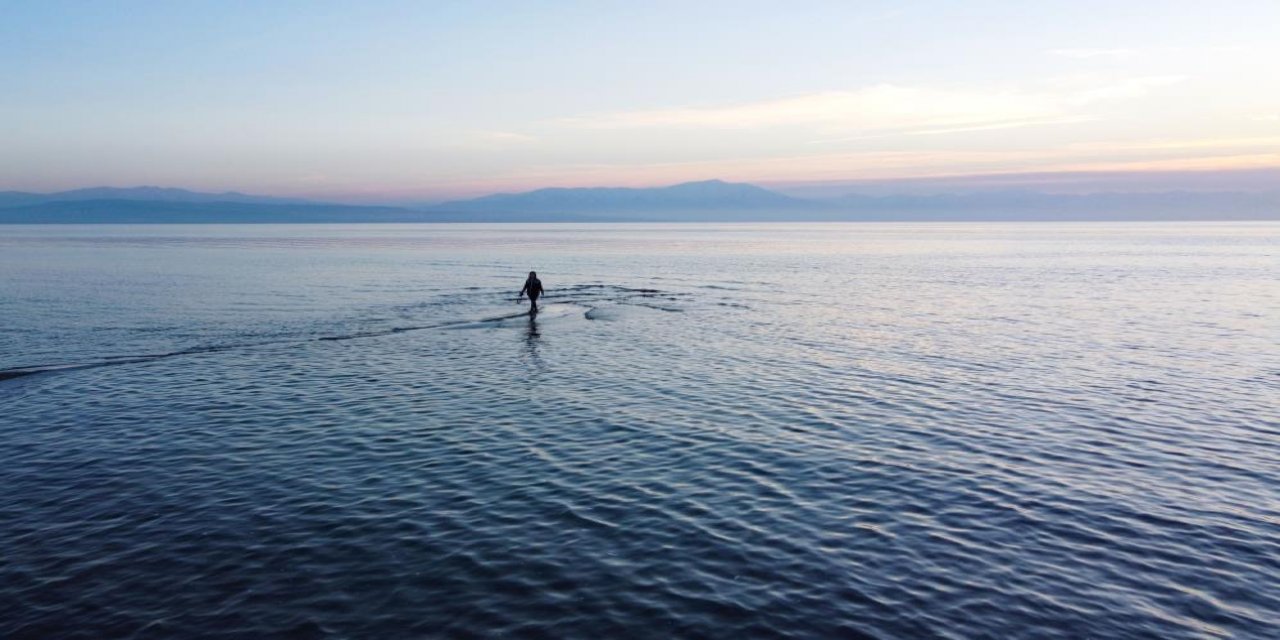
(710, 431)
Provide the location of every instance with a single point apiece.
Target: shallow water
(859, 430)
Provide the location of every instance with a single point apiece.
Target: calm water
(806, 431)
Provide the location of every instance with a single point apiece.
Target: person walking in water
(533, 287)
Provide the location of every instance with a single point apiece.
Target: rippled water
(807, 431)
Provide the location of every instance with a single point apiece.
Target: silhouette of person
(533, 287)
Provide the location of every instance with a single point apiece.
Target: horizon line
(1068, 183)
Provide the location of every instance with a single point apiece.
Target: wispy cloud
(1261, 143)
(1093, 53)
(893, 109)
(1115, 53)
(1012, 124)
(1135, 156)
(884, 106)
(1004, 125)
(1082, 90)
(503, 137)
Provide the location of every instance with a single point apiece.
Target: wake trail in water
(567, 301)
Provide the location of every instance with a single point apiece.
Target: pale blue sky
(396, 100)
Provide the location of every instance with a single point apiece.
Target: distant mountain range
(711, 200)
(178, 211)
(155, 194)
(709, 195)
(1032, 205)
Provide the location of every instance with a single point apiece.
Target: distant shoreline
(707, 201)
(642, 222)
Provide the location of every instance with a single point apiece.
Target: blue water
(722, 431)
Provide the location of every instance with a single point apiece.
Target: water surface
(843, 430)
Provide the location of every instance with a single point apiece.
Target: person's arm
(522, 290)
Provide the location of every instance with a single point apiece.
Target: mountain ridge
(700, 201)
(705, 194)
(148, 193)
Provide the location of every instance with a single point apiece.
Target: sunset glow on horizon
(401, 100)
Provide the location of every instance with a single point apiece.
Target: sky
(390, 101)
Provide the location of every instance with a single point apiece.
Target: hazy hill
(1032, 205)
(716, 200)
(153, 211)
(156, 194)
(711, 200)
(689, 197)
(158, 212)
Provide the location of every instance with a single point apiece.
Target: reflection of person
(532, 336)
(533, 287)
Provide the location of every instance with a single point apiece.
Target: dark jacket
(532, 287)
